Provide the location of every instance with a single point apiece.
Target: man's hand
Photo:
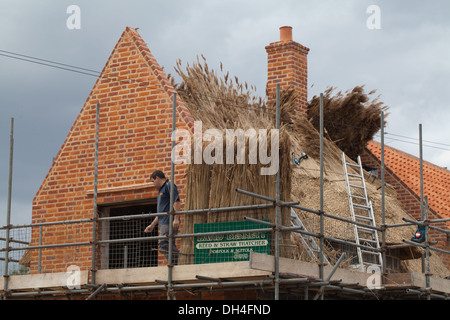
(176, 224)
(151, 226)
(176, 219)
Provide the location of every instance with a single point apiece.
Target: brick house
(402, 172)
(135, 122)
(135, 99)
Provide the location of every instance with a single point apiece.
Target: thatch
(222, 103)
(351, 119)
(26, 259)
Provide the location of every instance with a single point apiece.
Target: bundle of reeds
(197, 177)
(219, 101)
(223, 104)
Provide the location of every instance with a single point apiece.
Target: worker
(163, 205)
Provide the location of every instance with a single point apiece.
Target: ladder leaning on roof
(362, 212)
(308, 241)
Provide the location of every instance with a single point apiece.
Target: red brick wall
(135, 100)
(410, 202)
(287, 65)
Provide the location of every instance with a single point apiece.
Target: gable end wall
(135, 129)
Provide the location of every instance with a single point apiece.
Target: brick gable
(135, 128)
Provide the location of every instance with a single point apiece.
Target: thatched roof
(220, 102)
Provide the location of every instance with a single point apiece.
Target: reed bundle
(222, 103)
(351, 119)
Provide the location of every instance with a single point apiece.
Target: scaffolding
(270, 273)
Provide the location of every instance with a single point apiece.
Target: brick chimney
(287, 65)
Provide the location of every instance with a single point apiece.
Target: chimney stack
(287, 65)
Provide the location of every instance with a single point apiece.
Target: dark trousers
(164, 244)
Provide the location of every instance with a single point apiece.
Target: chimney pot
(286, 33)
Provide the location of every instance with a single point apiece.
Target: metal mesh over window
(134, 251)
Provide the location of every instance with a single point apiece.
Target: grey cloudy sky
(406, 61)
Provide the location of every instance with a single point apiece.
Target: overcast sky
(407, 61)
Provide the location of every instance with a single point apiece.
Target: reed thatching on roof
(223, 103)
(351, 119)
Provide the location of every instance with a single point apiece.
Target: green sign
(229, 247)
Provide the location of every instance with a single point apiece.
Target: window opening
(129, 254)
